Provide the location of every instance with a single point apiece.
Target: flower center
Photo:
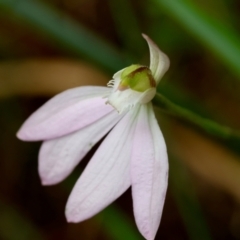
(136, 77)
(131, 86)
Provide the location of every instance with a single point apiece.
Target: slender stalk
(204, 124)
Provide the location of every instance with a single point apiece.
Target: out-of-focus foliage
(215, 34)
(49, 46)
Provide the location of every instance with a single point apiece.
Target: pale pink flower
(133, 153)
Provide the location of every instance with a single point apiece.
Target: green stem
(205, 124)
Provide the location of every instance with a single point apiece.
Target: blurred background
(49, 46)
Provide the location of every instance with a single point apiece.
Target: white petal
(58, 157)
(106, 176)
(127, 99)
(159, 61)
(149, 172)
(65, 113)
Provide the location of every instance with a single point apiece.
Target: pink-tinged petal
(106, 176)
(159, 61)
(58, 157)
(149, 172)
(65, 113)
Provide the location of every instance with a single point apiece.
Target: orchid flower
(133, 153)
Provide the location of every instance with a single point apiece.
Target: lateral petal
(149, 172)
(159, 61)
(65, 113)
(106, 176)
(58, 157)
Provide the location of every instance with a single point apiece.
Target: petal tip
(25, 134)
(145, 36)
(69, 218)
(21, 135)
(148, 235)
(71, 215)
(149, 40)
(46, 181)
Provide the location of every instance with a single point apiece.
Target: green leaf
(126, 23)
(62, 31)
(187, 201)
(215, 35)
(15, 226)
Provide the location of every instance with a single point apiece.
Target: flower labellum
(132, 154)
(132, 85)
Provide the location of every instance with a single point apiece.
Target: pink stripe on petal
(58, 157)
(66, 113)
(149, 172)
(106, 176)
